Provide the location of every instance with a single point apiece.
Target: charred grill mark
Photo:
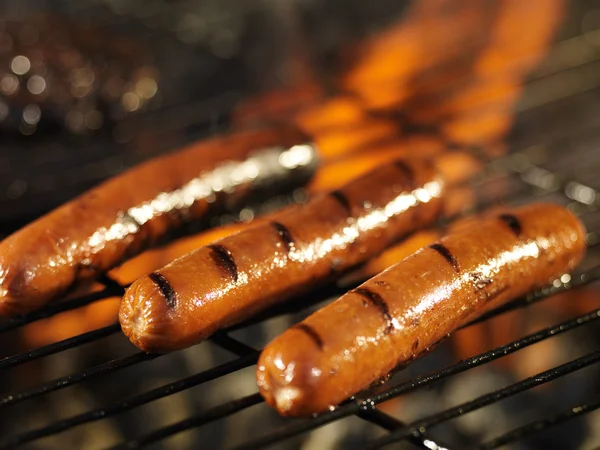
(224, 260)
(310, 332)
(165, 288)
(284, 235)
(343, 201)
(407, 172)
(379, 302)
(443, 250)
(513, 223)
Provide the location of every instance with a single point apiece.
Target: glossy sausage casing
(117, 219)
(402, 312)
(215, 286)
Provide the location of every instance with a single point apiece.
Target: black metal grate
(366, 409)
(559, 163)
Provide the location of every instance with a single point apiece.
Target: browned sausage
(117, 219)
(408, 308)
(215, 286)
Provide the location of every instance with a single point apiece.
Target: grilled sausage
(405, 310)
(117, 219)
(215, 286)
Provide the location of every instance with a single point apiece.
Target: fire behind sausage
(215, 286)
(405, 310)
(119, 218)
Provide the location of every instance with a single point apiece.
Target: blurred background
(90, 88)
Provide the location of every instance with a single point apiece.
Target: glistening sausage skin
(119, 218)
(215, 286)
(402, 312)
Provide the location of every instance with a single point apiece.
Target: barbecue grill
(94, 390)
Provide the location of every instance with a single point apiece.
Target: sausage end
(279, 394)
(18, 292)
(143, 320)
(33, 270)
(288, 380)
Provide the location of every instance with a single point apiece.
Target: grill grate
(540, 425)
(367, 409)
(542, 170)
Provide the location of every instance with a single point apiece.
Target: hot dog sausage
(117, 219)
(215, 286)
(408, 308)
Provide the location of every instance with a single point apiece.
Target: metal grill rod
(110, 284)
(421, 425)
(503, 166)
(539, 425)
(120, 289)
(97, 334)
(226, 342)
(583, 279)
(236, 347)
(90, 336)
(132, 402)
(379, 418)
(57, 347)
(376, 416)
(56, 308)
(70, 380)
(124, 362)
(208, 416)
(220, 344)
(354, 407)
(389, 423)
(248, 357)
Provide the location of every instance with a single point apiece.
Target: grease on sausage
(241, 274)
(402, 312)
(119, 218)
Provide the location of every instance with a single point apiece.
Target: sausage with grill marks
(405, 310)
(215, 286)
(99, 229)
